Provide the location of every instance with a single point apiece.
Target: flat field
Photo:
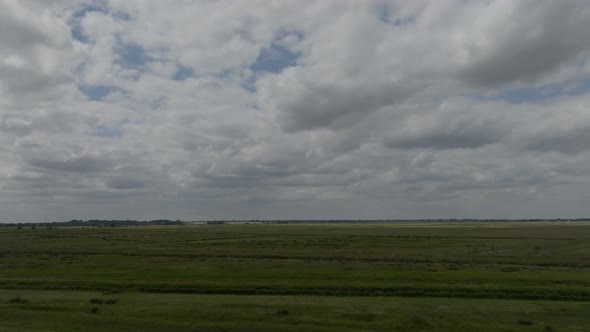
(330, 277)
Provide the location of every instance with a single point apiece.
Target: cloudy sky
(294, 109)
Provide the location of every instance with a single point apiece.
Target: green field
(334, 277)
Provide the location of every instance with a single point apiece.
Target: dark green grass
(526, 261)
(72, 311)
(363, 268)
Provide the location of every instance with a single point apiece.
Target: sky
(294, 109)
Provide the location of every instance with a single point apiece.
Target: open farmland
(423, 277)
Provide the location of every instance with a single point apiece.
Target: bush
(18, 300)
(525, 322)
(94, 310)
(282, 312)
(509, 269)
(419, 321)
(111, 301)
(96, 301)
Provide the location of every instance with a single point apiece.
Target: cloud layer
(291, 109)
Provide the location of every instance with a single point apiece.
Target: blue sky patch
(121, 16)
(536, 94)
(274, 59)
(74, 23)
(250, 84)
(96, 92)
(108, 132)
(94, 6)
(78, 35)
(158, 103)
(131, 56)
(182, 73)
(382, 11)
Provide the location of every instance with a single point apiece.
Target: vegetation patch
(282, 312)
(525, 322)
(278, 270)
(17, 300)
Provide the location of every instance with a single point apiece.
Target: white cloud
(387, 109)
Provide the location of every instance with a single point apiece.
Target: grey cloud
(535, 37)
(15, 124)
(569, 142)
(79, 164)
(127, 182)
(15, 29)
(47, 183)
(452, 125)
(27, 82)
(35, 54)
(467, 138)
(324, 106)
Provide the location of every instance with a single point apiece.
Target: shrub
(18, 300)
(282, 312)
(111, 301)
(525, 322)
(418, 321)
(94, 310)
(509, 269)
(96, 301)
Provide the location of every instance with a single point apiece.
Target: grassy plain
(407, 277)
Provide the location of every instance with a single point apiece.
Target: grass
(354, 273)
(71, 311)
